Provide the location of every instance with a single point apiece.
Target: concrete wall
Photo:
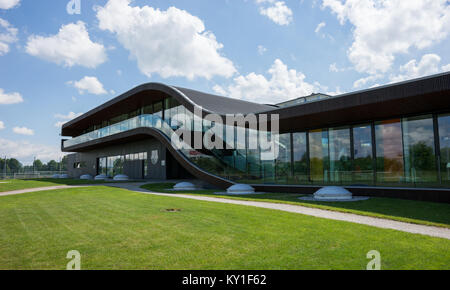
(132, 169)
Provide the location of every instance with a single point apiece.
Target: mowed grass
(118, 229)
(18, 184)
(418, 212)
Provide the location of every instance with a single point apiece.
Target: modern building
(390, 141)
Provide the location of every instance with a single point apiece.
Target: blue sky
(54, 65)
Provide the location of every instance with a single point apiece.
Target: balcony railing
(149, 121)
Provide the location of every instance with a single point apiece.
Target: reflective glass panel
(389, 150)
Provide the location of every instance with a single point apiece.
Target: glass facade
(389, 152)
(413, 151)
(363, 166)
(114, 165)
(444, 148)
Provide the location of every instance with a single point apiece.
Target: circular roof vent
(121, 177)
(241, 189)
(333, 193)
(184, 186)
(86, 177)
(101, 177)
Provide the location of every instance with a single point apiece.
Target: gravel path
(320, 213)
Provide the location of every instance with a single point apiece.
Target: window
(79, 165)
(363, 154)
(419, 150)
(340, 156)
(389, 150)
(318, 151)
(283, 167)
(444, 142)
(299, 146)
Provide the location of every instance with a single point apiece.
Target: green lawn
(17, 184)
(419, 212)
(118, 229)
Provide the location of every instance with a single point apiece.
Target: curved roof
(424, 95)
(151, 92)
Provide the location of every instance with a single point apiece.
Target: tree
(14, 165)
(64, 163)
(52, 165)
(37, 164)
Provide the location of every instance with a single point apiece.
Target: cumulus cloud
(89, 85)
(171, 43)
(428, 65)
(261, 50)
(26, 151)
(446, 67)
(277, 11)
(8, 4)
(8, 35)
(71, 46)
(319, 27)
(10, 98)
(65, 118)
(383, 29)
(283, 84)
(2, 125)
(363, 81)
(23, 131)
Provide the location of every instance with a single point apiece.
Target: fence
(30, 174)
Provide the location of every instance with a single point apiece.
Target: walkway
(27, 190)
(320, 213)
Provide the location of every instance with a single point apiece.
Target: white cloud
(446, 68)
(8, 4)
(71, 46)
(90, 85)
(428, 65)
(2, 125)
(171, 43)
(319, 27)
(261, 50)
(11, 98)
(65, 118)
(8, 35)
(363, 81)
(277, 11)
(69, 116)
(283, 84)
(383, 29)
(23, 131)
(26, 151)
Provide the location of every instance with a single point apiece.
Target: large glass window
(283, 162)
(319, 160)
(363, 154)
(240, 153)
(418, 150)
(340, 156)
(299, 146)
(389, 150)
(253, 158)
(444, 143)
(102, 168)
